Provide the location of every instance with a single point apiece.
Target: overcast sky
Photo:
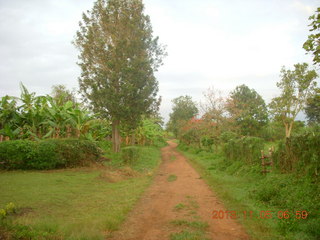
(210, 43)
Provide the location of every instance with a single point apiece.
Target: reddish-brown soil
(186, 198)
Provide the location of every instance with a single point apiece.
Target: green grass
(173, 157)
(243, 188)
(71, 203)
(142, 164)
(191, 230)
(179, 206)
(172, 178)
(188, 235)
(192, 224)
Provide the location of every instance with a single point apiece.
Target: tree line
(244, 112)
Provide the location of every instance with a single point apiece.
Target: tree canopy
(248, 110)
(118, 58)
(296, 87)
(313, 107)
(312, 45)
(183, 109)
(62, 95)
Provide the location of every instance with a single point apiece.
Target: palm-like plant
(9, 118)
(40, 117)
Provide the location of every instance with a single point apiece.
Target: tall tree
(183, 109)
(312, 45)
(313, 107)
(118, 58)
(296, 87)
(248, 110)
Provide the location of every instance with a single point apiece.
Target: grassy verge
(73, 203)
(245, 191)
(189, 227)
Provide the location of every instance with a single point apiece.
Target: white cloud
(210, 43)
(306, 9)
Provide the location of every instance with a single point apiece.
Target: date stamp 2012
(286, 214)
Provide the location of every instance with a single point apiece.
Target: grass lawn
(72, 203)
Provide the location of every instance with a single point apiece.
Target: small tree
(296, 87)
(214, 106)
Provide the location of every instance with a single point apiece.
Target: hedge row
(246, 149)
(47, 154)
(300, 152)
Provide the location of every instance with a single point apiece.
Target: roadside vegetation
(71, 168)
(82, 189)
(262, 162)
(225, 144)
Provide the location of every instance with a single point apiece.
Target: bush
(47, 154)
(245, 149)
(227, 136)
(130, 154)
(300, 153)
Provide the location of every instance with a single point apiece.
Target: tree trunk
(288, 156)
(115, 136)
(288, 127)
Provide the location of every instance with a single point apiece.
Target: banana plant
(9, 117)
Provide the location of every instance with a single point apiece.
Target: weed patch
(172, 178)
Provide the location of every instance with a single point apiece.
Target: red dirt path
(150, 219)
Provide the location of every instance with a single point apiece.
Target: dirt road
(178, 205)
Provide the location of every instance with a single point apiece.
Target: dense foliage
(149, 132)
(239, 126)
(183, 109)
(44, 132)
(248, 109)
(47, 154)
(301, 153)
(117, 76)
(296, 86)
(313, 108)
(245, 149)
(312, 45)
(43, 117)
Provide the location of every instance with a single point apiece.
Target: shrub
(47, 154)
(227, 136)
(300, 153)
(246, 149)
(130, 154)
(3, 213)
(10, 208)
